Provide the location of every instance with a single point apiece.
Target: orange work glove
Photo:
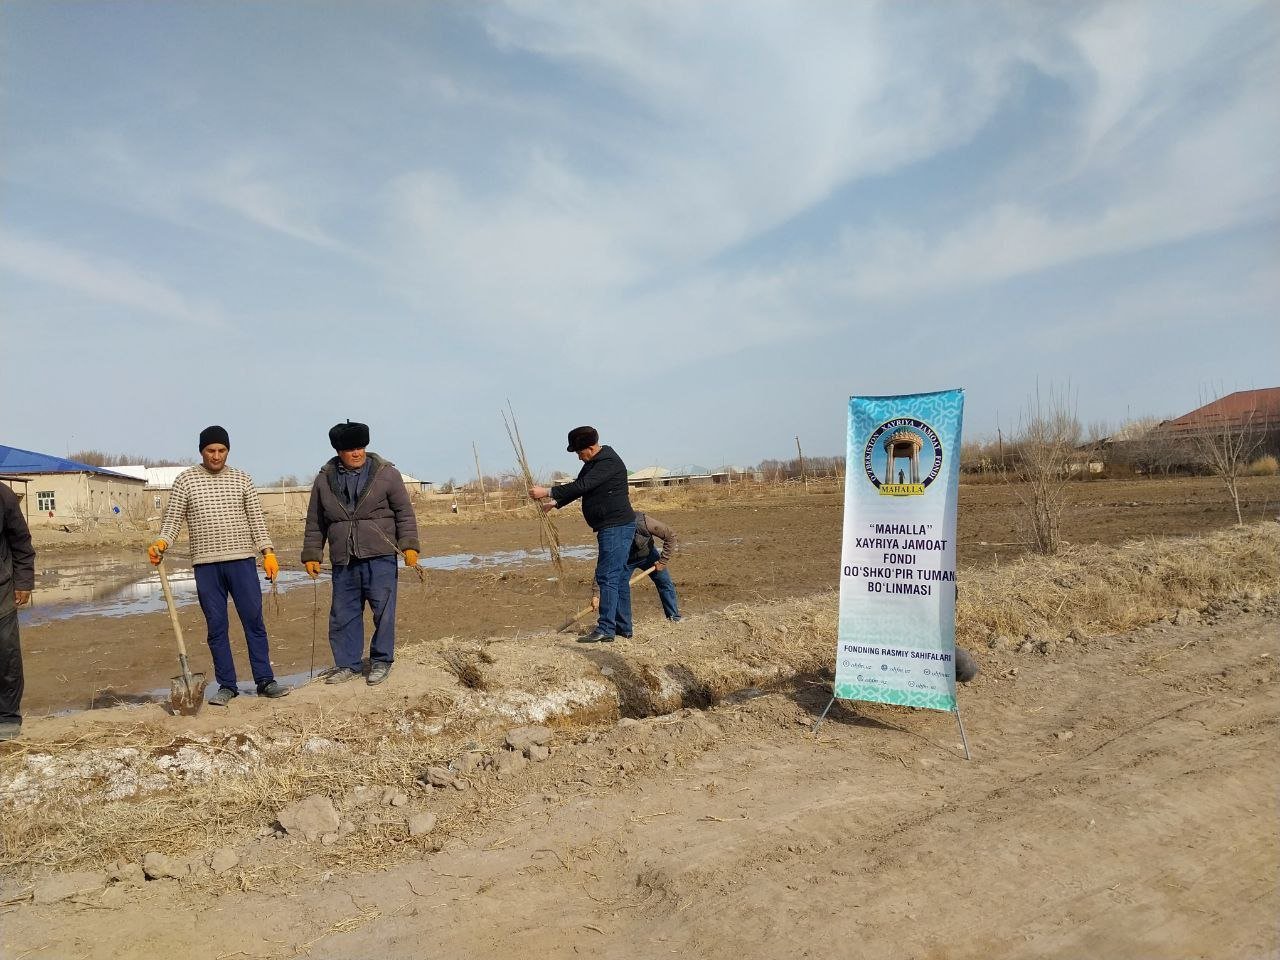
(155, 552)
(411, 558)
(270, 566)
(313, 568)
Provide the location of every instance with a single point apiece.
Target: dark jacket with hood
(17, 556)
(602, 485)
(382, 522)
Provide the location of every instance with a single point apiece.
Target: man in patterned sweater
(227, 529)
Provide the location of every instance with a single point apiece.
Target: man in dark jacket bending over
(602, 485)
(360, 506)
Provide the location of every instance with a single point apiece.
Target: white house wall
(83, 498)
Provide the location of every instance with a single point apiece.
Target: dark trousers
(10, 670)
(611, 579)
(661, 579)
(239, 578)
(371, 580)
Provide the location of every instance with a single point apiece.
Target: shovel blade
(187, 698)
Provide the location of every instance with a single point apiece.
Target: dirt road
(1121, 803)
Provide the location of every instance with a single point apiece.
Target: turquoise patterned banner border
(903, 698)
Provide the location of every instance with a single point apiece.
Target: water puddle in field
(114, 584)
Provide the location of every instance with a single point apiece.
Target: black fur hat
(349, 436)
(582, 437)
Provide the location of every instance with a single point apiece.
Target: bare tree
(97, 458)
(1046, 441)
(1226, 446)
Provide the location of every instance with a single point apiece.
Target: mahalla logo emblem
(902, 457)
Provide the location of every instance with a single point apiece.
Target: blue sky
(699, 226)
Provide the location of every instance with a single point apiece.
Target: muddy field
(1120, 801)
(747, 549)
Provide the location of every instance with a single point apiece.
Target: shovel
(635, 577)
(186, 692)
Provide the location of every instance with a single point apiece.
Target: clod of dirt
(438, 777)
(421, 824)
(522, 738)
(508, 761)
(159, 866)
(310, 817)
(224, 860)
(125, 871)
(394, 797)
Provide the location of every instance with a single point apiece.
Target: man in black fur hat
(360, 506)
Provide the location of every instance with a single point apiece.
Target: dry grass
(466, 667)
(1267, 466)
(745, 491)
(696, 663)
(78, 827)
(1112, 589)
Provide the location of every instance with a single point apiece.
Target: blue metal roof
(14, 462)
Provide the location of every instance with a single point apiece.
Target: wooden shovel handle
(173, 610)
(587, 609)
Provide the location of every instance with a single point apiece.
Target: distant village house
(57, 492)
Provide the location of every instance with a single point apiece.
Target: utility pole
(803, 474)
(1000, 443)
(484, 501)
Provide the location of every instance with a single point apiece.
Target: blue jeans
(374, 580)
(611, 579)
(661, 579)
(239, 578)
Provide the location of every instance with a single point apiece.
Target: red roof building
(1256, 409)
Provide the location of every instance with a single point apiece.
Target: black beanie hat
(349, 436)
(214, 434)
(582, 437)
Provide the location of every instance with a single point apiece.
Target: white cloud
(739, 118)
(602, 171)
(100, 278)
(1221, 173)
(239, 186)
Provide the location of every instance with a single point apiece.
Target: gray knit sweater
(222, 512)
